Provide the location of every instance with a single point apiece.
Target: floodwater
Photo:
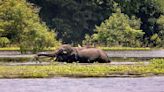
(148, 84)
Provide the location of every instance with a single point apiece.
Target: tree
(119, 30)
(148, 11)
(159, 39)
(73, 19)
(20, 23)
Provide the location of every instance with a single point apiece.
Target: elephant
(85, 55)
(91, 55)
(60, 55)
(65, 50)
(67, 53)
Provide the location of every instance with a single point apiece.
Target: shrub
(4, 41)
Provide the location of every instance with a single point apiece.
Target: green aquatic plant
(156, 67)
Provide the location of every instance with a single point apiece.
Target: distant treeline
(134, 23)
(73, 19)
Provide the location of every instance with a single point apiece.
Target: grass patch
(129, 59)
(17, 59)
(18, 49)
(78, 70)
(10, 49)
(123, 48)
(103, 48)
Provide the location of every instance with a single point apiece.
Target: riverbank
(155, 68)
(103, 48)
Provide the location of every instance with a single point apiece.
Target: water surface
(149, 84)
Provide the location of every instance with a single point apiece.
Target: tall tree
(119, 30)
(74, 18)
(20, 23)
(159, 39)
(148, 11)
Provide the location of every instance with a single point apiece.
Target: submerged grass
(156, 67)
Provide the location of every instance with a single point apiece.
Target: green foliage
(74, 18)
(160, 22)
(157, 63)
(119, 30)
(20, 23)
(4, 41)
(161, 4)
(148, 11)
(155, 40)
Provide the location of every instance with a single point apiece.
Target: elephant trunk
(47, 55)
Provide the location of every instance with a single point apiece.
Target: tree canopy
(20, 25)
(118, 30)
(72, 21)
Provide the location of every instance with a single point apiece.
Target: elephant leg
(59, 59)
(102, 61)
(84, 60)
(62, 58)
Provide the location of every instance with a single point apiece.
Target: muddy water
(149, 84)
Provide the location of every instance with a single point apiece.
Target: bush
(21, 23)
(4, 41)
(118, 30)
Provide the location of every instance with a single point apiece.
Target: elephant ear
(74, 52)
(67, 49)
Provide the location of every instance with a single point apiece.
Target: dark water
(150, 84)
